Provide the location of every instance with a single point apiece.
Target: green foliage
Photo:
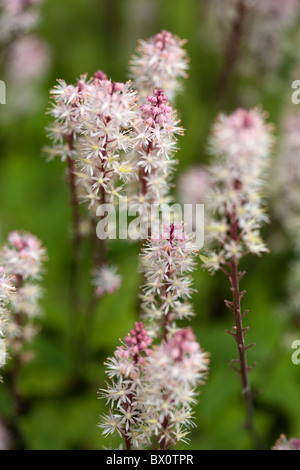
(60, 391)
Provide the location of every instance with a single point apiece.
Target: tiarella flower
(241, 143)
(155, 143)
(284, 444)
(167, 261)
(242, 136)
(23, 257)
(124, 370)
(152, 390)
(159, 62)
(167, 393)
(27, 50)
(106, 117)
(92, 127)
(17, 17)
(6, 288)
(106, 280)
(65, 110)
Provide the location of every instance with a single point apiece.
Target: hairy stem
(239, 332)
(240, 339)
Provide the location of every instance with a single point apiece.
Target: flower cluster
(106, 280)
(241, 143)
(107, 116)
(6, 288)
(22, 257)
(171, 375)
(284, 444)
(159, 62)
(29, 49)
(92, 127)
(152, 390)
(124, 370)
(156, 127)
(17, 17)
(65, 110)
(167, 261)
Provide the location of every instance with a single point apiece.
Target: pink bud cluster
(155, 143)
(156, 111)
(159, 62)
(137, 341)
(183, 342)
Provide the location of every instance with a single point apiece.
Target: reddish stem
(233, 46)
(239, 332)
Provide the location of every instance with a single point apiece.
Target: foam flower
(167, 261)
(159, 62)
(106, 280)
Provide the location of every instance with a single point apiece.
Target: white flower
(159, 62)
(241, 143)
(106, 280)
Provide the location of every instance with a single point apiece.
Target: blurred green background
(62, 407)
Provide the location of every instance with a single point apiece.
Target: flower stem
(239, 333)
(76, 230)
(240, 339)
(232, 50)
